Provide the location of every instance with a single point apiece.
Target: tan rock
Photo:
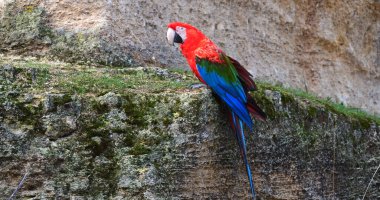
(330, 48)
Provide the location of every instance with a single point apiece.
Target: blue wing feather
(231, 93)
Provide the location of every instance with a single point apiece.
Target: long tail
(237, 125)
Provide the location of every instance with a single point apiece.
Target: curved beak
(173, 37)
(170, 36)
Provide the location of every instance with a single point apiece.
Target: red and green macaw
(230, 81)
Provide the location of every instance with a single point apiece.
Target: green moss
(96, 137)
(93, 82)
(129, 139)
(312, 111)
(21, 27)
(308, 137)
(79, 79)
(75, 48)
(27, 27)
(179, 70)
(84, 80)
(265, 103)
(94, 126)
(29, 114)
(103, 176)
(361, 123)
(139, 149)
(65, 98)
(42, 78)
(363, 117)
(96, 106)
(287, 98)
(97, 147)
(136, 108)
(167, 120)
(35, 64)
(340, 109)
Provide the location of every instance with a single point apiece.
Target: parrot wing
(244, 76)
(249, 85)
(223, 79)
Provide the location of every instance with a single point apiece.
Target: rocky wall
(330, 48)
(80, 133)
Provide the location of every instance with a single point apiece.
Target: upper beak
(170, 36)
(173, 37)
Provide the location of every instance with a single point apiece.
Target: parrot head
(179, 32)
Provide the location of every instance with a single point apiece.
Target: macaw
(228, 80)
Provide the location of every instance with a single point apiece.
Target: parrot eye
(179, 28)
(181, 31)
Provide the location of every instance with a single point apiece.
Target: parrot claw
(197, 86)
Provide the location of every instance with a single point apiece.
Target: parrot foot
(197, 86)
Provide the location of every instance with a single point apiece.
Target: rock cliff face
(329, 48)
(81, 132)
(104, 123)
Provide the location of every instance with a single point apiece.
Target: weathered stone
(329, 48)
(61, 116)
(155, 144)
(110, 99)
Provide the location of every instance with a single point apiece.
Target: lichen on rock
(105, 122)
(328, 48)
(24, 30)
(87, 133)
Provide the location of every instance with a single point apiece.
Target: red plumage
(197, 44)
(229, 81)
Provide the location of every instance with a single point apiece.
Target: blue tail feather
(239, 133)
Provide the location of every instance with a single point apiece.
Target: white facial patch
(181, 31)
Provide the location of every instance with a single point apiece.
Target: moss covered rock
(25, 30)
(96, 133)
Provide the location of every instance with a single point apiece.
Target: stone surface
(330, 48)
(173, 143)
